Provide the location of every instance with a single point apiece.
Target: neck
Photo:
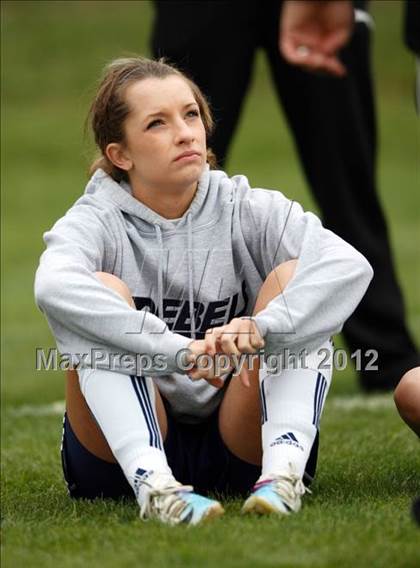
(170, 203)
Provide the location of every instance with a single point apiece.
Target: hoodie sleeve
(330, 279)
(92, 324)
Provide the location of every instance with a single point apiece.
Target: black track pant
(333, 124)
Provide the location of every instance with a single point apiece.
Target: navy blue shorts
(195, 453)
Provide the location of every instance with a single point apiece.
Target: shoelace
(166, 502)
(289, 486)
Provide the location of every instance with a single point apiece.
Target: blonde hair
(109, 109)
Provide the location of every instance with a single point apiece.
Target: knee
(116, 284)
(275, 283)
(407, 397)
(281, 275)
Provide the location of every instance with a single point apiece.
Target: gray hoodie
(210, 263)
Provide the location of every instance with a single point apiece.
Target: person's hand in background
(312, 32)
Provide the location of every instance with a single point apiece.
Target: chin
(191, 174)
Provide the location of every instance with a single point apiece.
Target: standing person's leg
(333, 123)
(214, 43)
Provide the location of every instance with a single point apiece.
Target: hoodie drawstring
(190, 276)
(160, 272)
(190, 271)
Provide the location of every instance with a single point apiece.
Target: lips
(188, 154)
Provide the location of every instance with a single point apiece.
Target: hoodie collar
(101, 184)
(214, 190)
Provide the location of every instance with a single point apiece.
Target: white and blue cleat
(276, 494)
(199, 509)
(161, 497)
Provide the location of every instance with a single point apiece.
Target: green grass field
(369, 467)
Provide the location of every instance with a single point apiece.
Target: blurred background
(52, 56)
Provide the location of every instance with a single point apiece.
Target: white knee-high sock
(292, 403)
(124, 408)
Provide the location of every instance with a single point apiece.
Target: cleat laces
(289, 487)
(163, 499)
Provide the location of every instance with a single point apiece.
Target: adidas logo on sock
(289, 439)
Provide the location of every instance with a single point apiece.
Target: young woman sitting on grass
(165, 260)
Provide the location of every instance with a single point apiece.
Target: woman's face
(165, 139)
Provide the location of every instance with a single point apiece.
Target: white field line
(345, 403)
(53, 409)
(361, 402)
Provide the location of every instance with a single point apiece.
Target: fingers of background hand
(324, 63)
(289, 48)
(312, 60)
(319, 56)
(334, 41)
(333, 66)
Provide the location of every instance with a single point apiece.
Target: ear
(118, 156)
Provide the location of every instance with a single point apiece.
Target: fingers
(216, 382)
(244, 376)
(291, 49)
(335, 41)
(208, 367)
(249, 338)
(205, 366)
(198, 374)
(206, 373)
(312, 58)
(333, 66)
(324, 63)
(224, 338)
(241, 335)
(211, 339)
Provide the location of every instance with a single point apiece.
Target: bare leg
(407, 399)
(240, 414)
(80, 417)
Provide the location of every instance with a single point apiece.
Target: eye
(193, 113)
(154, 123)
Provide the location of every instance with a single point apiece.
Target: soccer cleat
(161, 497)
(277, 493)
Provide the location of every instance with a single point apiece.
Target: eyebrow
(164, 113)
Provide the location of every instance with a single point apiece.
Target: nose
(184, 133)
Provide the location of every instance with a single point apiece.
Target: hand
(241, 335)
(197, 348)
(313, 31)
